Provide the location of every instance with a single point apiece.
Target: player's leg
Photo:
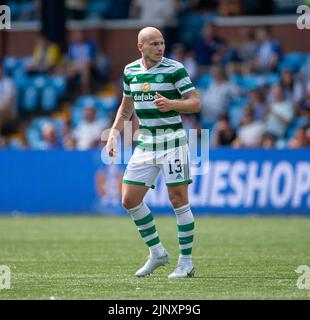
(133, 195)
(178, 196)
(136, 182)
(177, 175)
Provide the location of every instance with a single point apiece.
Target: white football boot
(152, 263)
(183, 271)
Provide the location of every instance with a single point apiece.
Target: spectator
(81, 60)
(226, 55)
(305, 109)
(224, 134)
(46, 57)
(207, 45)
(216, 99)
(49, 137)
(250, 132)
(67, 137)
(268, 140)
(281, 113)
(293, 89)
(248, 46)
(268, 52)
(191, 121)
(257, 101)
(2, 142)
(87, 134)
(7, 100)
(180, 54)
(300, 139)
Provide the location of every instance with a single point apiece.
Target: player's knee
(177, 199)
(128, 202)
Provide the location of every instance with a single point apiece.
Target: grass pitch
(86, 257)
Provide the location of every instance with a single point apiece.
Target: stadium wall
(238, 181)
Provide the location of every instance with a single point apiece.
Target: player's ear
(139, 45)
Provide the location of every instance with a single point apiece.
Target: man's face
(153, 48)
(90, 114)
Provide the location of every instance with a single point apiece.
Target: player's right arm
(124, 113)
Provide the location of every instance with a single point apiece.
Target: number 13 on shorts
(176, 171)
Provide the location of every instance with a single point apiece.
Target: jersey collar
(151, 69)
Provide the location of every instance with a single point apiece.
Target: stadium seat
(270, 79)
(85, 100)
(107, 103)
(30, 99)
(250, 82)
(236, 79)
(15, 9)
(298, 122)
(21, 79)
(60, 85)
(97, 9)
(39, 82)
(76, 116)
(33, 132)
(49, 98)
(292, 61)
(236, 111)
(203, 81)
(33, 138)
(15, 144)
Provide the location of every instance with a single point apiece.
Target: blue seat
(97, 8)
(39, 82)
(271, 79)
(9, 65)
(15, 144)
(21, 79)
(49, 101)
(30, 99)
(33, 138)
(235, 111)
(236, 79)
(293, 61)
(298, 122)
(15, 9)
(107, 103)
(203, 81)
(59, 83)
(85, 100)
(76, 116)
(250, 82)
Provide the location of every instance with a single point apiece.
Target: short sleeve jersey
(158, 130)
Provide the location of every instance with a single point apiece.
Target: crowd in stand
(253, 94)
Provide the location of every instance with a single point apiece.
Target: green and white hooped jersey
(158, 130)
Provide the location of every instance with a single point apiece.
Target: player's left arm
(190, 103)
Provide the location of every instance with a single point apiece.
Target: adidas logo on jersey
(134, 79)
(179, 176)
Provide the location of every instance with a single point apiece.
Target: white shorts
(144, 166)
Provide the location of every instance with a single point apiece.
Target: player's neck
(148, 63)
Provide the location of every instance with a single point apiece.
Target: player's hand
(162, 103)
(111, 146)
